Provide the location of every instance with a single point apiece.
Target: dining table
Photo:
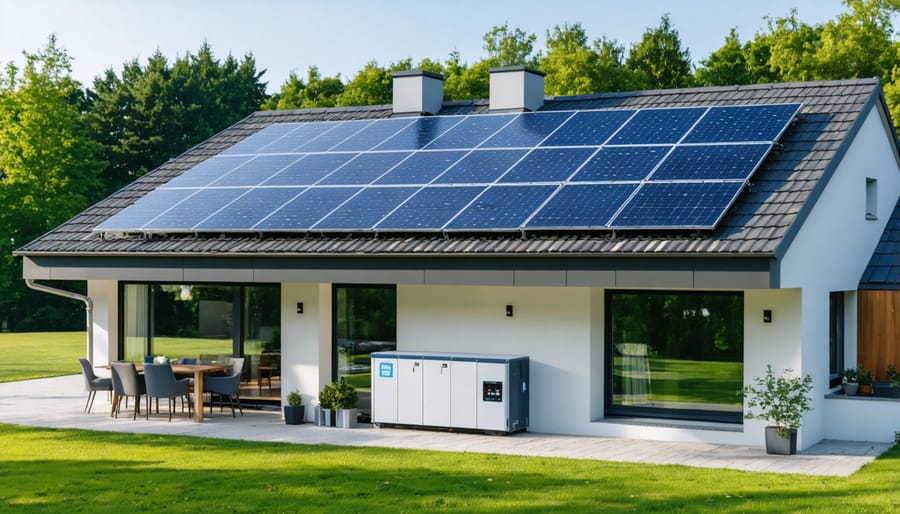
(197, 371)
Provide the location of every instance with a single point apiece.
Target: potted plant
(327, 405)
(346, 400)
(890, 388)
(294, 411)
(850, 382)
(864, 378)
(781, 401)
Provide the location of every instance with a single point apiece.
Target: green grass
(40, 354)
(47, 470)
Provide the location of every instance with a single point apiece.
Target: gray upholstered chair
(93, 383)
(126, 382)
(161, 383)
(227, 387)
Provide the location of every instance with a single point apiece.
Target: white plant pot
(346, 418)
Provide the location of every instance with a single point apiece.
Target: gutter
(88, 308)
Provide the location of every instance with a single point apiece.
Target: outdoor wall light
(509, 311)
(299, 307)
(767, 315)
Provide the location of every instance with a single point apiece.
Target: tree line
(64, 145)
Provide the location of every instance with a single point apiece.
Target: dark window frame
(836, 337)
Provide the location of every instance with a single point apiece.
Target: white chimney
(516, 88)
(418, 92)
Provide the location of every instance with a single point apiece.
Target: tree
(48, 173)
(510, 47)
(725, 66)
(658, 60)
(315, 91)
(571, 65)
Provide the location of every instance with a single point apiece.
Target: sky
(341, 36)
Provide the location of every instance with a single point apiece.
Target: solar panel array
(672, 168)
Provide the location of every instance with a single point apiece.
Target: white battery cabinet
(485, 392)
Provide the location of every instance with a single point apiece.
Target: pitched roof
(883, 271)
(758, 224)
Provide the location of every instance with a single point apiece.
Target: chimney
(516, 88)
(417, 92)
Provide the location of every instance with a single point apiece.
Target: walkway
(58, 402)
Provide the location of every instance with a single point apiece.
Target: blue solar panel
(208, 171)
(430, 209)
(480, 167)
(711, 162)
(366, 208)
(471, 132)
(372, 135)
(302, 134)
(588, 128)
(256, 171)
(247, 210)
(678, 205)
(420, 133)
(582, 206)
(421, 168)
(307, 209)
(364, 169)
(338, 134)
(502, 207)
(657, 126)
(548, 165)
(621, 163)
(256, 142)
(309, 170)
(194, 209)
(527, 130)
(148, 207)
(742, 123)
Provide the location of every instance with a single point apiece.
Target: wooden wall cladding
(878, 335)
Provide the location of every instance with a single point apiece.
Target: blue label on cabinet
(386, 369)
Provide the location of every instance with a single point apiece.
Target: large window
(675, 355)
(836, 337)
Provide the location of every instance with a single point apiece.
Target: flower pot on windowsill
(885, 390)
(850, 388)
(778, 445)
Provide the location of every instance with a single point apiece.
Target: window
(871, 198)
(835, 337)
(675, 355)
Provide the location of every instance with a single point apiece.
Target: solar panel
(548, 165)
(480, 166)
(657, 168)
(711, 162)
(501, 207)
(678, 205)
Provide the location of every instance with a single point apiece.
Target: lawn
(40, 354)
(47, 470)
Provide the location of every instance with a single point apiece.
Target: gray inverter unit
(473, 391)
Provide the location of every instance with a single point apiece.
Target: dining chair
(126, 382)
(93, 383)
(161, 383)
(228, 386)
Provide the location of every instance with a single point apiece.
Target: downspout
(88, 308)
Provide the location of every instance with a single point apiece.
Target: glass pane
(262, 342)
(677, 355)
(193, 321)
(135, 322)
(365, 322)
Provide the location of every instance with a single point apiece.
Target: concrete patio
(58, 402)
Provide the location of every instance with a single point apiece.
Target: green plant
(328, 397)
(294, 398)
(892, 375)
(864, 376)
(850, 375)
(346, 396)
(781, 401)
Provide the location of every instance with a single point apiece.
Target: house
(643, 326)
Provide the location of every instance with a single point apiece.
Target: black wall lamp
(509, 311)
(767, 315)
(299, 307)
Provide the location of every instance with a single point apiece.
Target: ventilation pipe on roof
(516, 88)
(88, 308)
(417, 92)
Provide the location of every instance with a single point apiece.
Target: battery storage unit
(474, 391)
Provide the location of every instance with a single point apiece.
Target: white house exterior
(804, 230)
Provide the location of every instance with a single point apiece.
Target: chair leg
(87, 405)
(137, 406)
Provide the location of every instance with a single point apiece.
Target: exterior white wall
(831, 251)
(104, 295)
(862, 419)
(305, 341)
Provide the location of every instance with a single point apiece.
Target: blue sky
(342, 36)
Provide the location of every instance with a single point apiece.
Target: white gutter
(88, 308)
